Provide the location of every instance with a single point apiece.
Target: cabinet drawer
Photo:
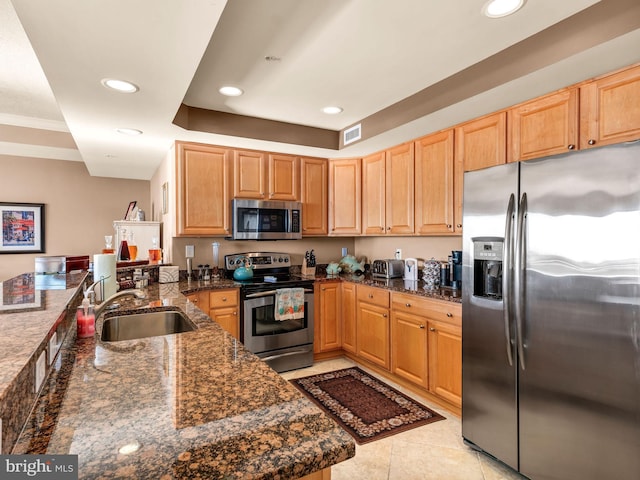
(373, 295)
(436, 309)
(223, 298)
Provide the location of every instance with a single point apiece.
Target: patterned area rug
(364, 406)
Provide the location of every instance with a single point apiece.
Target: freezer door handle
(519, 277)
(507, 293)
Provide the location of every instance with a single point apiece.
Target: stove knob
(238, 261)
(286, 259)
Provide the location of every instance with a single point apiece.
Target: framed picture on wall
(22, 227)
(130, 209)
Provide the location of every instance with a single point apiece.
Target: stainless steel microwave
(266, 220)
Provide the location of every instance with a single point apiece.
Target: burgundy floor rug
(364, 406)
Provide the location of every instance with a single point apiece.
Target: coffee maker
(455, 269)
(487, 267)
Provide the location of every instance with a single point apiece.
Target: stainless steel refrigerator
(551, 314)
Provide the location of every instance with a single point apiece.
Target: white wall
(79, 209)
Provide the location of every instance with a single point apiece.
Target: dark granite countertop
(398, 285)
(198, 405)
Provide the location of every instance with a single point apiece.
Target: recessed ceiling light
(230, 91)
(120, 85)
(501, 8)
(129, 131)
(332, 110)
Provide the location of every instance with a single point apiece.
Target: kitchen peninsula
(192, 405)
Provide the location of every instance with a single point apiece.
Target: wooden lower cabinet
(349, 317)
(427, 344)
(409, 347)
(445, 361)
(372, 325)
(224, 309)
(329, 325)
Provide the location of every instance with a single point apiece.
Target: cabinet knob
(388, 228)
(235, 313)
(224, 299)
(422, 326)
(407, 304)
(571, 146)
(370, 295)
(591, 142)
(459, 225)
(449, 314)
(384, 315)
(323, 289)
(431, 329)
(449, 226)
(195, 300)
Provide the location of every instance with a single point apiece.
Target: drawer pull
(449, 314)
(224, 299)
(422, 326)
(370, 295)
(431, 329)
(407, 304)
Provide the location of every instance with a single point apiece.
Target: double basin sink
(146, 324)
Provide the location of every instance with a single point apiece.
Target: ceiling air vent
(352, 134)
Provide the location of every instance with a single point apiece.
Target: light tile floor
(434, 451)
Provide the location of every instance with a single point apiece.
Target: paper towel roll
(104, 267)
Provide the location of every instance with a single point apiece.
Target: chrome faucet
(124, 293)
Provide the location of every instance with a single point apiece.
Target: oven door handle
(270, 292)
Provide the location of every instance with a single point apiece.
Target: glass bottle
(133, 248)
(108, 244)
(123, 250)
(155, 253)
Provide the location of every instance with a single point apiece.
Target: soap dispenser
(86, 319)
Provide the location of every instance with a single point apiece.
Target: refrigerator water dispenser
(487, 267)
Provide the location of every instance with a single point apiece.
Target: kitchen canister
(431, 274)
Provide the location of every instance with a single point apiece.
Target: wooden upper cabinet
(610, 109)
(434, 183)
(284, 177)
(250, 174)
(373, 194)
(345, 196)
(545, 126)
(400, 214)
(387, 191)
(314, 195)
(480, 143)
(203, 193)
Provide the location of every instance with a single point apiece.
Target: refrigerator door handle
(507, 293)
(518, 283)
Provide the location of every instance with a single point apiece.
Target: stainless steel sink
(141, 325)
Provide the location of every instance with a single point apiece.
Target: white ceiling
(363, 55)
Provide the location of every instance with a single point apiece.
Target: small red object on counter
(86, 320)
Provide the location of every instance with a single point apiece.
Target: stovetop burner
(270, 271)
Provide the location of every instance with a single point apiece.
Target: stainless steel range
(283, 344)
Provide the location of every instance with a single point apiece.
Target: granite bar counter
(193, 405)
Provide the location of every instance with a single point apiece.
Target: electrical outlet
(53, 347)
(41, 369)
(398, 254)
(345, 250)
